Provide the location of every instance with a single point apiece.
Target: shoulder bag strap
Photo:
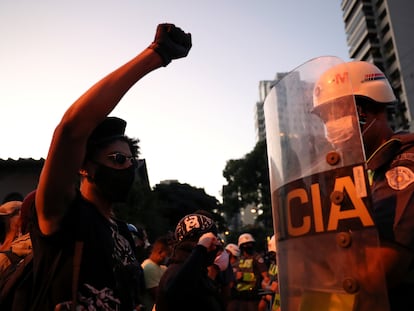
(77, 258)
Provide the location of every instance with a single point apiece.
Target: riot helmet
(357, 78)
(271, 244)
(245, 238)
(246, 243)
(360, 79)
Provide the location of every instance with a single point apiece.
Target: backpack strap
(77, 258)
(11, 276)
(42, 293)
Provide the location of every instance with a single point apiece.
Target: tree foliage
(158, 210)
(175, 200)
(248, 184)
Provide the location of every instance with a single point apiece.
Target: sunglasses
(120, 158)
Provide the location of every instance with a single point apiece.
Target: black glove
(171, 42)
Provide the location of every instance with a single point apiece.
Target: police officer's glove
(171, 43)
(209, 241)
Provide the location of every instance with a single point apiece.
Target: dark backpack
(16, 283)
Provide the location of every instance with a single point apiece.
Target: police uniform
(392, 189)
(273, 274)
(246, 288)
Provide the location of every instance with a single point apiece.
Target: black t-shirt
(108, 274)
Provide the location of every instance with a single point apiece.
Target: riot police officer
(391, 163)
(250, 275)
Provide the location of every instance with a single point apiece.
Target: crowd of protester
(77, 255)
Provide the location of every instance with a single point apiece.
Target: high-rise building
(380, 31)
(264, 89)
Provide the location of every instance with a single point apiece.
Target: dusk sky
(192, 116)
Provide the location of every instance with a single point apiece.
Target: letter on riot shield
(320, 195)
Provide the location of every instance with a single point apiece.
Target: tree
(158, 210)
(175, 200)
(248, 183)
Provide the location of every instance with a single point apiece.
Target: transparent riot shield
(326, 237)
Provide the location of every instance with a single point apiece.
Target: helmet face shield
(339, 118)
(335, 109)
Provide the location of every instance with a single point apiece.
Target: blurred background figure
(141, 242)
(251, 276)
(186, 286)
(15, 244)
(221, 273)
(154, 267)
(271, 301)
(234, 253)
(16, 257)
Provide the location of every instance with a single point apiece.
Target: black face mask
(272, 256)
(114, 184)
(249, 250)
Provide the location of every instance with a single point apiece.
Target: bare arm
(67, 150)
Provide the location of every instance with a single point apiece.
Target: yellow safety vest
(248, 280)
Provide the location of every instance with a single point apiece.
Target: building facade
(264, 88)
(18, 177)
(380, 32)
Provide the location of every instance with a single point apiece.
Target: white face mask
(222, 260)
(340, 130)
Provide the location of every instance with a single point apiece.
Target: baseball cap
(10, 208)
(110, 128)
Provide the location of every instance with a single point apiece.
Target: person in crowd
(185, 285)
(272, 300)
(234, 253)
(10, 222)
(251, 276)
(154, 267)
(15, 243)
(16, 256)
(83, 256)
(391, 163)
(221, 272)
(141, 242)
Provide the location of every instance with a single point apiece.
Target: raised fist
(171, 42)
